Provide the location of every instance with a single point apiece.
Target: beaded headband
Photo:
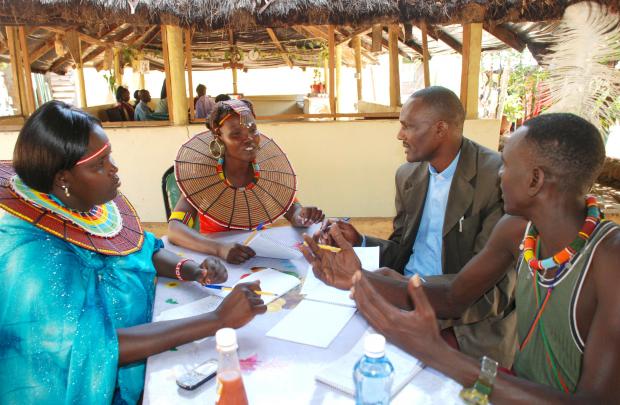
(94, 155)
(246, 117)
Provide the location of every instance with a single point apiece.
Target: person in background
(222, 97)
(162, 106)
(136, 98)
(123, 97)
(78, 276)
(204, 104)
(143, 111)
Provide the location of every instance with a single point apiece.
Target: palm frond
(582, 76)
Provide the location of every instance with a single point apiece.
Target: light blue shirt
(426, 257)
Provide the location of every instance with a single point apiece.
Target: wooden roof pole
(505, 35)
(188, 67)
(278, 45)
(118, 70)
(470, 71)
(394, 68)
(233, 64)
(357, 46)
(16, 69)
(29, 90)
(332, 62)
(174, 62)
(425, 56)
(338, 78)
(75, 50)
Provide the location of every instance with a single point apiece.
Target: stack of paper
(266, 246)
(272, 281)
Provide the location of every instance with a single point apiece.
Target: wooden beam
(59, 61)
(118, 69)
(177, 94)
(377, 38)
(332, 63)
(84, 37)
(357, 46)
(470, 72)
(119, 36)
(506, 35)
(16, 70)
(411, 43)
(233, 65)
(338, 78)
(278, 45)
(41, 50)
(425, 56)
(166, 54)
(29, 90)
(394, 66)
(188, 68)
(355, 33)
(439, 34)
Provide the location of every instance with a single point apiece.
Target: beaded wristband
(177, 269)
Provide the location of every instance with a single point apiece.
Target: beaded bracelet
(177, 269)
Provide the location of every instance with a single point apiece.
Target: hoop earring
(220, 148)
(66, 189)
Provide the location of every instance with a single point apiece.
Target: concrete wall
(345, 167)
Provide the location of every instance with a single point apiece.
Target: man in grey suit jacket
(447, 202)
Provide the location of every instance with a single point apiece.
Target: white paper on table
(312, 323)
(202, 306)
(266, 246)
(314, 289)
(271, 280)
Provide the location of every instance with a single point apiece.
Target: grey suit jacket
(474, 207)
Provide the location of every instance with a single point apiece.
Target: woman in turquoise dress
(78, 272)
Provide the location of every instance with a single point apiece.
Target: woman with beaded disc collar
(78, 272)
(233, 177)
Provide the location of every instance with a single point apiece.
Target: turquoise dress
(60, 306)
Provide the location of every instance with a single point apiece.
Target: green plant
(110, 78)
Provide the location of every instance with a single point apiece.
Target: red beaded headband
(94, 155)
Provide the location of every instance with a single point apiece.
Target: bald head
(444, 103)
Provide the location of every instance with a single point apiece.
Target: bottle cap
(374, 345)
(226, 339)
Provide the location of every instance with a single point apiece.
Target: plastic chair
(172, 193)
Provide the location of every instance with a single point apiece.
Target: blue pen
(218, 287)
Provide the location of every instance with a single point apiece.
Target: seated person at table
(233, 177)
(123, 97)
(162, 105)
(78, 272)
(222, 97)
(567, 302)
(447, 202)
(203, 103)
(143, 111)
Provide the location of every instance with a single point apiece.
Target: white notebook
(266, 246)
(339, 374)
(312, 323)
(272, 281)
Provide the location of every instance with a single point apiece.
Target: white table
(284, 371)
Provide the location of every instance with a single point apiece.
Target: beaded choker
(220, 172)
(563, 256)
(103, 220)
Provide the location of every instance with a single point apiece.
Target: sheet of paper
(199, 307)
(312, 323)
(269, 246)
(316, 290)
(271, 281)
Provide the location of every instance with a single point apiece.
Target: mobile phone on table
(198, 376)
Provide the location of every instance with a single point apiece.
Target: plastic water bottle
(373, 374)
(229, 389)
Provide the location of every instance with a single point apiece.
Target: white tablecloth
(280, 372)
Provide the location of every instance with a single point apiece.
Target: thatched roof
(241, 14)
(298, 26)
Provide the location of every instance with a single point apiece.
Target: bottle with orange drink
(229, 389)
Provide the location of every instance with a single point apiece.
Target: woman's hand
(303, 217)
(211, 271)
(235, 253)
(241, 305)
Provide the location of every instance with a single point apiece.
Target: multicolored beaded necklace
(563, 256)
(220, 172)
(531, 248)
(102, 220)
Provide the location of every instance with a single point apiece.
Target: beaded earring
(66, 189)
(220, 151)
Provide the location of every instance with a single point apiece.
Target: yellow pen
(257, 292)
(250, 237)
(327, 247)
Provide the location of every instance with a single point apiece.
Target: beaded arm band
(183, 217)
(177, 269)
